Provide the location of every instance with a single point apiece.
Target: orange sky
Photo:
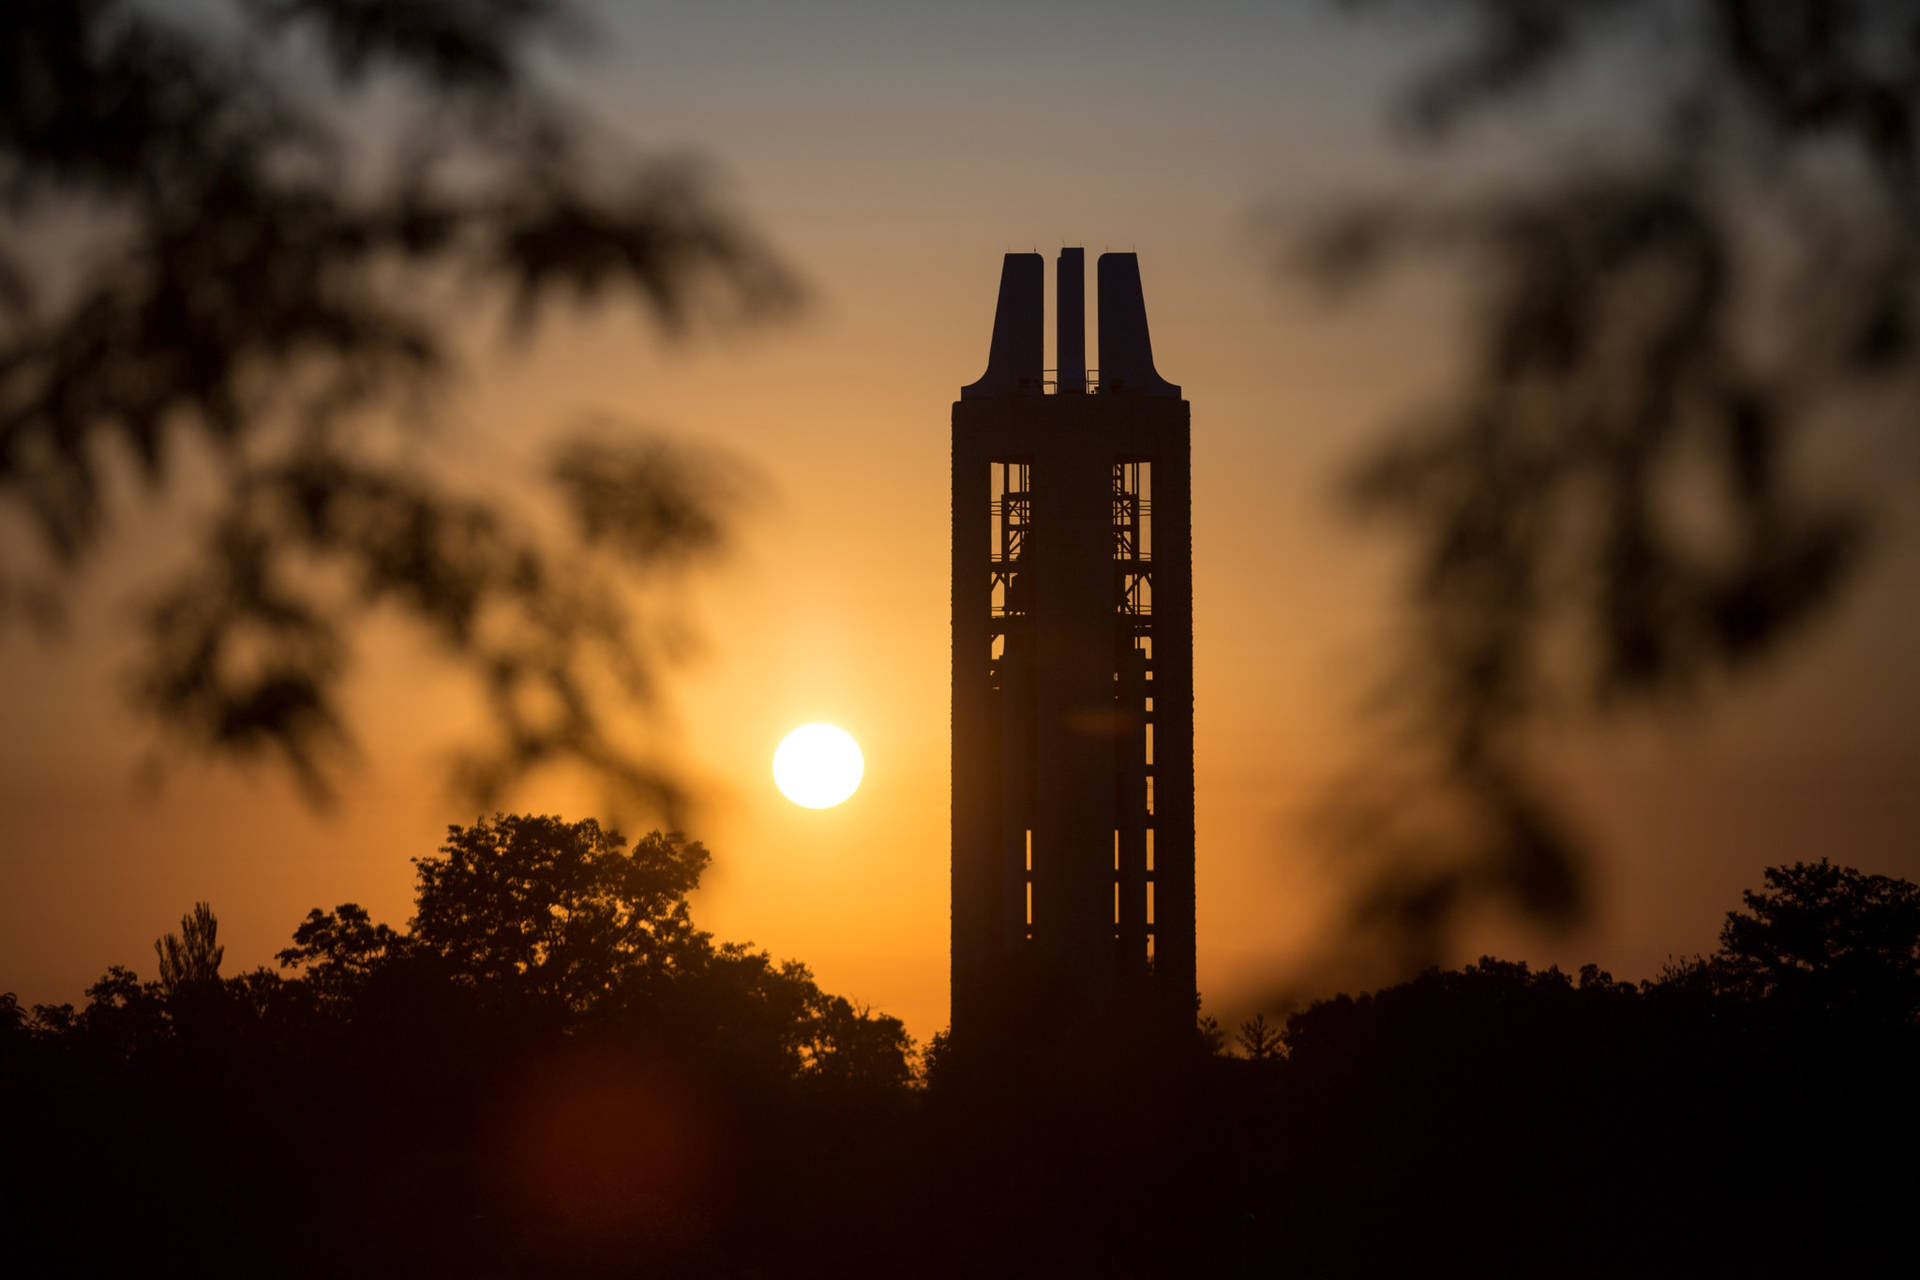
(895, 152)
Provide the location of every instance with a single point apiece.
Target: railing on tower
(1050, 382)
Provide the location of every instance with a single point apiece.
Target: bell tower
(1073, 824)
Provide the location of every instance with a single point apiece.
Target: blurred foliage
(1614, 510)
(255, 227)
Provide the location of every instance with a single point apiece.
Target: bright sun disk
(818, 766)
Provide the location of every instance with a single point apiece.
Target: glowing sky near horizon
(894, 152)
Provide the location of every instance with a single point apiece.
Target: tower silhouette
(1072, 670)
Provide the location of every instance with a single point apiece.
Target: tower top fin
(1126, 351)
(1070, 322)
(1016, 359)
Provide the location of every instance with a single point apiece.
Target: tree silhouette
(1208, 1033)
(1609, 512)
(1828, 938)
(550, 1071)
(1260, 1042)
(563, 911)
(1513, 1121)
(565, 923)
(191, 955)
(207, 244)
(451, 1110)
(337, 951)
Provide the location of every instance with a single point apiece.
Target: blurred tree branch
(203, 240)
(1610, 511)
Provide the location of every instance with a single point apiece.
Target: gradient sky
(894, 152)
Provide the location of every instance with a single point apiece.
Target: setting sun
(818, 766)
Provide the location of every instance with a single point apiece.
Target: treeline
(1751, 1112)
(550, 1071)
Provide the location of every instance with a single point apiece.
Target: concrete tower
(1072, 669)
